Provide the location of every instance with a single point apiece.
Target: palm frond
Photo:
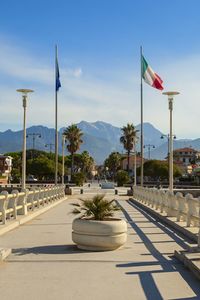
(97, 208)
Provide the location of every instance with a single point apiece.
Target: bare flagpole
(56, 120)
(141, 130)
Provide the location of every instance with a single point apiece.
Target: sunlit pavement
(45, 264)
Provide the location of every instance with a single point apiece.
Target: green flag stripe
(144, 66)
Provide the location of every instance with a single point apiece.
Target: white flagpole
(141, 130)
(56, 121)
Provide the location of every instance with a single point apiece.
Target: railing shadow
(169, 265)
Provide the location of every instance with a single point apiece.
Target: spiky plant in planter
(96, 208)
(96, 229)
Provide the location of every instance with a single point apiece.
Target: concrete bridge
(45, 264)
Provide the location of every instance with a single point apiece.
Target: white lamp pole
(63, 158)
(135, 166)
(24, 103)
(170, 100)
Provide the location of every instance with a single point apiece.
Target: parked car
(32, 178)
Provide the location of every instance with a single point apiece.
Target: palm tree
(96, 208)
(73, 135)
(128, 140)
(113, 163)
(87, 162)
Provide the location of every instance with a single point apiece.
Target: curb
(27, 218)
(189, 262)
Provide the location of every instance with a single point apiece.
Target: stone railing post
(189, 212)
(199, 225)
(15, 194)
(23, 210)
(3, 206)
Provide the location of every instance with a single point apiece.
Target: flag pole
(56, 121)
(141, 130)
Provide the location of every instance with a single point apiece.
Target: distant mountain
(99, 139)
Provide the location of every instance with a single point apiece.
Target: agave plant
(96, 208)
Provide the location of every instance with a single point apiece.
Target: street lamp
(135, 160)
(170, 101)
(50, 145)
(63, 158)
(24, 93)
(33, 135)
(149, 146)
(167, 136)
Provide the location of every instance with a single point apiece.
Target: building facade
(186, 156)
(124, 163)
(5, 168)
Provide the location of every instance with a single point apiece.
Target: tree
(41, 167)
(87, 163)
(113, 163)
(73, 135)
(157, 169)
(82, 162)
(128, 139)
(122, 177)
(78, 178)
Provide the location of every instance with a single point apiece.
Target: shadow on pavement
(49, 249)
(167, 265)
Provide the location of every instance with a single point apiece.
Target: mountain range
(99, 139)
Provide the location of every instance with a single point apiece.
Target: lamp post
(50, 145)
(33, 135)
(167, 136)
(24, 93)
(149, 146)
(63, 159)
(170, 101)
(135, 160)
(135, 168)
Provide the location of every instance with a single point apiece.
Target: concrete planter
(99, 235)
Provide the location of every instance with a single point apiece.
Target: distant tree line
(153, 169)
(42, 164)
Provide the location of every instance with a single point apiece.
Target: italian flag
(150, 76)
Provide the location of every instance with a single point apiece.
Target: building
(186, 156)
(124, 163)
(5, 168)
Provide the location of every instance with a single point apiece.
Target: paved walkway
(46, 265)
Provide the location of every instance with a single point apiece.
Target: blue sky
(98, 45)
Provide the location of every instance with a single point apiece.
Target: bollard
(116, 192)
(81, 191)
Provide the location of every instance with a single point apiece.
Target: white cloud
(78, 72)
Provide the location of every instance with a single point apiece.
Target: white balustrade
(183, 208)
(20, 203)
